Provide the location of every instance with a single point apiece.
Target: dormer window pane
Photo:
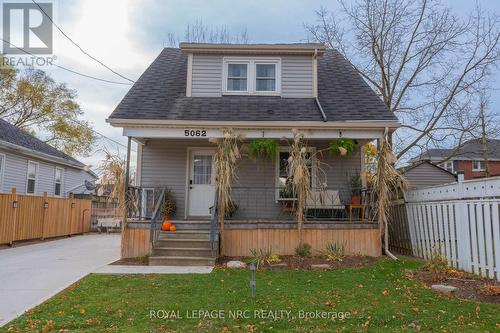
(237, 77)
(265, 77)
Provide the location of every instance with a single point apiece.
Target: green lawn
(377, 298)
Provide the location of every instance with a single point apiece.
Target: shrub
(303, 250)
(335, 251)
(262, 256)
(437, 263)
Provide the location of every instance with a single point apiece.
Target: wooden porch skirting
(363, 240)
(135, 242)
(239, 242)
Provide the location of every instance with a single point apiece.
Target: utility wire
(100, 134)
(80, 48)
(64, 68)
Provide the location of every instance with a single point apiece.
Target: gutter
(320, 109)
(41, 156)
(166, 123)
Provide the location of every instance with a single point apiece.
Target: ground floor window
(31, 177)
(285, 189)
(448, 166)
(478, 165)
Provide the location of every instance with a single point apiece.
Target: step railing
(214, 226)
(156, 218)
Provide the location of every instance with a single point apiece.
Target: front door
(201, 182)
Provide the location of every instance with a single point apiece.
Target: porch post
(127, 181)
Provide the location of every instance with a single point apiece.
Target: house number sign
(191, 132)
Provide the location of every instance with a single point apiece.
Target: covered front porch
(337, 210)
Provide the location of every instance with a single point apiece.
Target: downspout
(320, 109)
(386, 226)
(318, 104)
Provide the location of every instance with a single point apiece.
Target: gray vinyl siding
(164, 163)
(425, 175)
(16, 168)
(296, 77)
(207, 76)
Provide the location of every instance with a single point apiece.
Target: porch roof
(160, 94)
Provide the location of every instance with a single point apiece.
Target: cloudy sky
(128, 34)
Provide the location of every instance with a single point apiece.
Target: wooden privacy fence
(24, 217)
(459, 221)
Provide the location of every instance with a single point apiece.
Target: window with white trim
(265, 77)
(252, 76)
(448, 166)
(237, 77)
(58, 179)
(478, 165)
(2, 168)
(285, 190)
(31, 177)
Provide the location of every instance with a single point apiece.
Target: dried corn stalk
(226, 157)
(387, 186)
(299, 176)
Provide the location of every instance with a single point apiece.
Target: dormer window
(265, 79)
(252, 76)
(237, 75)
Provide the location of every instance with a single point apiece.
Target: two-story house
(468, 158)
(263, 91)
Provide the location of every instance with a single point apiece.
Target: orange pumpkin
(166, 225)
(173, 228)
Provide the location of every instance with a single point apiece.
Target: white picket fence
(460, 221)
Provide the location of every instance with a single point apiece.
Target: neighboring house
(469, 158)
(423, 174)
(191, 94)
(34, 167)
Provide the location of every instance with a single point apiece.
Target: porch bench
(325, 204)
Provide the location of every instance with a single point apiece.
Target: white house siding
(164, 164)
(16, 168)
(296, 76)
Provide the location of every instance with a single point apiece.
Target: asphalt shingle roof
(471, 150)
(11, 134)
(160, 94)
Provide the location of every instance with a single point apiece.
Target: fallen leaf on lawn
(415, 309)
(82, 311)
(385, 292)
(360, 286)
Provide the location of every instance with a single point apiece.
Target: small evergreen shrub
(303, 250)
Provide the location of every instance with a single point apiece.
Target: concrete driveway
(31, 274)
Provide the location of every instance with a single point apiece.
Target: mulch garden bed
(470, 287)
(304, 263)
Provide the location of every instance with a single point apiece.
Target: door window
(202, 169)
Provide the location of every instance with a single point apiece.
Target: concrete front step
(185, 234)
(182, 252)
(192, 225)
(181, 261)
(184, 243)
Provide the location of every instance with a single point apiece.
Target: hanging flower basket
(263, 148)
(342, 147)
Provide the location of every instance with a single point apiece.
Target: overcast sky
(128, 34)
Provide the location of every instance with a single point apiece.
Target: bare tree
(198, 32)
(424, 62)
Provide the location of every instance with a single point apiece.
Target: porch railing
(279, 204)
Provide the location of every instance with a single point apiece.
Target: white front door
(201, 182)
